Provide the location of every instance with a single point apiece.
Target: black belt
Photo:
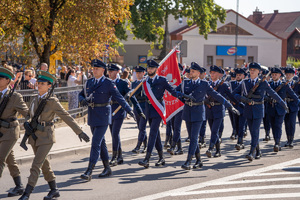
(113, 102)
(215, 103)
(6, 123)
(142, 101)
(98, 104)
(46, 123)
(158, 101)
(194, 103)
(256, 103)
(289, 100)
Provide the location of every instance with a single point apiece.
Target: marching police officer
(202, 143)
(233, 118)
(45, 135)
(193, 111)
(9, 128)
(215, 111)
(290, 117)
(118, 118)
(275, 111)
(266, 119)
(97, 95)
(141, 98)
(251, 92)
(158, 85)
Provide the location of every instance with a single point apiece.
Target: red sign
(170, 70)
(231, 51)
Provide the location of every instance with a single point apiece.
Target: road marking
(222, 180)
(259, 196)
(238, 189)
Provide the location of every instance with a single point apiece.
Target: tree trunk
(166, 42)
(45, 57)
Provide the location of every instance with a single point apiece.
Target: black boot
(202, 142)
(145, 146)
(88, 173)
(166, 145)
(187, 139)
(187, 164)
(233, 135)
(145, 162)
(137, 148)
(172, 149)
(120, 157)
(106, 171)
(54, 192)
(218, 150)
(240, 145)
(27, 192)
(19, 189)
(250, 155)
(267, 136)
(258, 152)
(161, 161)
(291, 142)
(277, 147)
(210, 149)
(179, 148)
(198, 163)
(114, 161)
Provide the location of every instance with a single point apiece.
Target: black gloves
(190, 97)
(235, 111)
(84, 103)
(132, 115)
(246, 100)
(27, 127)
(241, 105)
(84, 136)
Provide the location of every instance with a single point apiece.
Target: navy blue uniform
(255, 113)
(195, 114)
(99, 113)
(277, 112)
(118, 118)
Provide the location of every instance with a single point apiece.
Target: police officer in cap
(266, 119)
(118, 118)
(9, 129)
(141, 98)
(194, 111)
(290, 117)
(158, 85)
(97, 95)
(254, 104)
(275, 111)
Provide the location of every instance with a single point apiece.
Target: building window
(250, 59)
(297, 43)
(209, 60)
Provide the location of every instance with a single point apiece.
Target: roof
(281, 24)
(188, 28)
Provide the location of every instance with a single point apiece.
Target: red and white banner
(169, 69)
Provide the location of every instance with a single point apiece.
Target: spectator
(44, 67)
(26, 84)
(125, 76)
(71, 82)
(63, 72)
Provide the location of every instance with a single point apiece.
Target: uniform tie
(253, 82)
(150, 81)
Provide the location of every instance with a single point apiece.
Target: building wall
(291, 49)
(265, 47)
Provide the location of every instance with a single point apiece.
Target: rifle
(294, 85)
(253, 89)
(34, 121)
(4, 104)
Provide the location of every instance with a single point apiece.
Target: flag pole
(169, 54)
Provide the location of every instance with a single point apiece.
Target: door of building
(240, 62)
(219, 62)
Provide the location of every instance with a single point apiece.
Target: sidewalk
(68, 143)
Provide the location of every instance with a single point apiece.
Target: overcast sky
(246, 7)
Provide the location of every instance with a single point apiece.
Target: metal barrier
(61, 93)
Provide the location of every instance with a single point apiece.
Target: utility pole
(236, 32)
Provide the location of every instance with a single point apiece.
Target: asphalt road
(275, 175)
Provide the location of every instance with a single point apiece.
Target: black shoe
(54, 192)
(258, 152)
(88, 173)
(187, 139)
(198, 163)
(161, 161)
(179, 148)
(291, 145)
(250, 155)
(209, 151)
(28, 190)
(287, 144)
(267, 137)
(232, 136)
(187, 164)
(145, 162)
(120, 158)
(277, 148)
(145, 146)
(114, 161)
(137, 148)
(19, 189)
(202, 143)
(218, 151)
(106, 171)
(166, 145)
(172, 149)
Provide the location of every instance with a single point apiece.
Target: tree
(80, 29)
(149, 16)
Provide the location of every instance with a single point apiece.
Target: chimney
(257, 16)
(275, 11)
